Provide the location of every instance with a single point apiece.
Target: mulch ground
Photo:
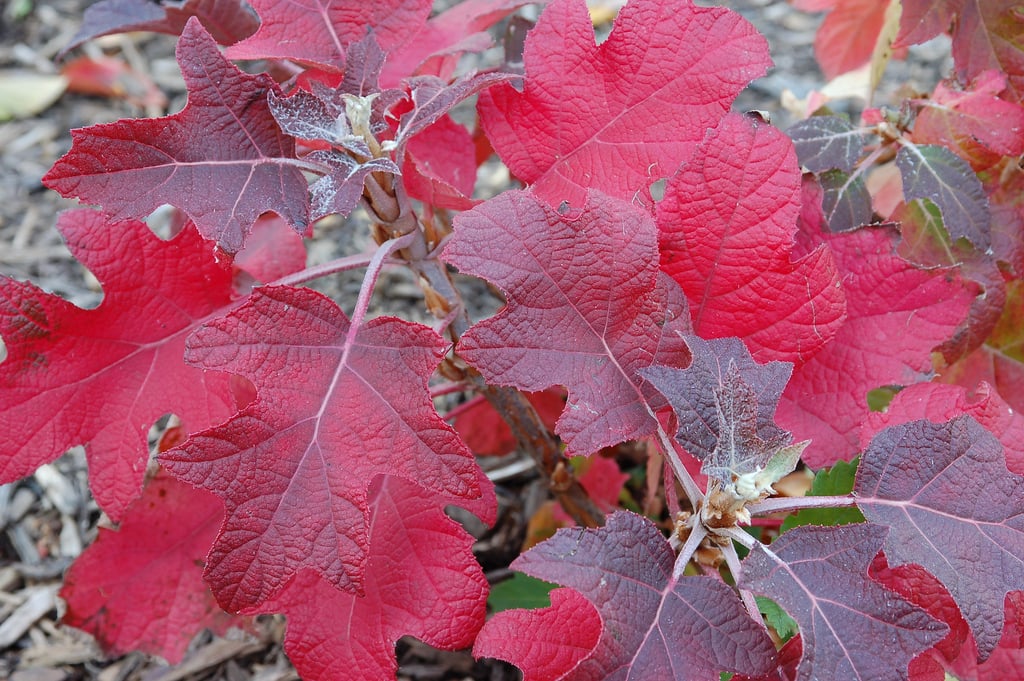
(48, 519)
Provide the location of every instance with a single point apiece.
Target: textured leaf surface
(724, 397)
(826, 143)
(319, 31)
(421, 580)
(102, 377)
(965, 119)
(623, 114)
(547, 644)
(726, 228)
(227, 20)
(654, 627)
(846, 202)
(940, 402)
(586, 309)
(924, 481)
(336, 406)
(155, 600)
(896, 315)
(851, 627)
(223, 159)
(937, 174)
(987, 36)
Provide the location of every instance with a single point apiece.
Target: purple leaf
(953, 507)
(852, 627)
(654, 627)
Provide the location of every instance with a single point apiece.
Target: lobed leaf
(548, 644)
(623, 114)
(851, 627)
(949, 481)
(335, 407)
(421, 580)
(723, 397)
(155, 600)
(586, 309)
(223, 159)
(320, 31)
(654, 627)
(102, 377)
(726, 228)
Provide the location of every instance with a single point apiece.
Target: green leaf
(784, 625)
(834, 481)
(521, 591)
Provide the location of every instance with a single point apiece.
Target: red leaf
(223, 159)
(891, 305)
(271, 251)
(620, 115)
(851, 627)
(1000, 361)
(436, 48)
(547, 644)
(726, 228)
(1007, 660)
(922, 20)
(227, 20)
(921, 588)
(654, 627)
(421, 580)
(986, 36)
(586, 309)
(440, 166)
(336, 405)
(110, 77)
(848, 35)
(975, 123)
(925, 480)
(938, 402)
(102, 377)
(486, 433)
(320, 31)
(155, 599)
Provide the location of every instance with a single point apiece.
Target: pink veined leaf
(621, 115)
(546, 644)
(851, 627)
(655, 627)
(1007, 660)
(155, 600)
(890, 304)
(327, 27)
(223, 159)
(922, 20)
(925, 480)
(726, 229)
(335, 407)
(436, 48)
(421, 580)
(939, 402)
(102, 377)
(587, 308)
(228, 21)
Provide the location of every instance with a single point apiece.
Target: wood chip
(218, 652)
(39, 600)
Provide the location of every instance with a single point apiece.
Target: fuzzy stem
(732, 559)
(370, 279)
(340, 265)
(697, 535)
(786, 504)
(447, 388)
(458, 409)
(683, 475)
